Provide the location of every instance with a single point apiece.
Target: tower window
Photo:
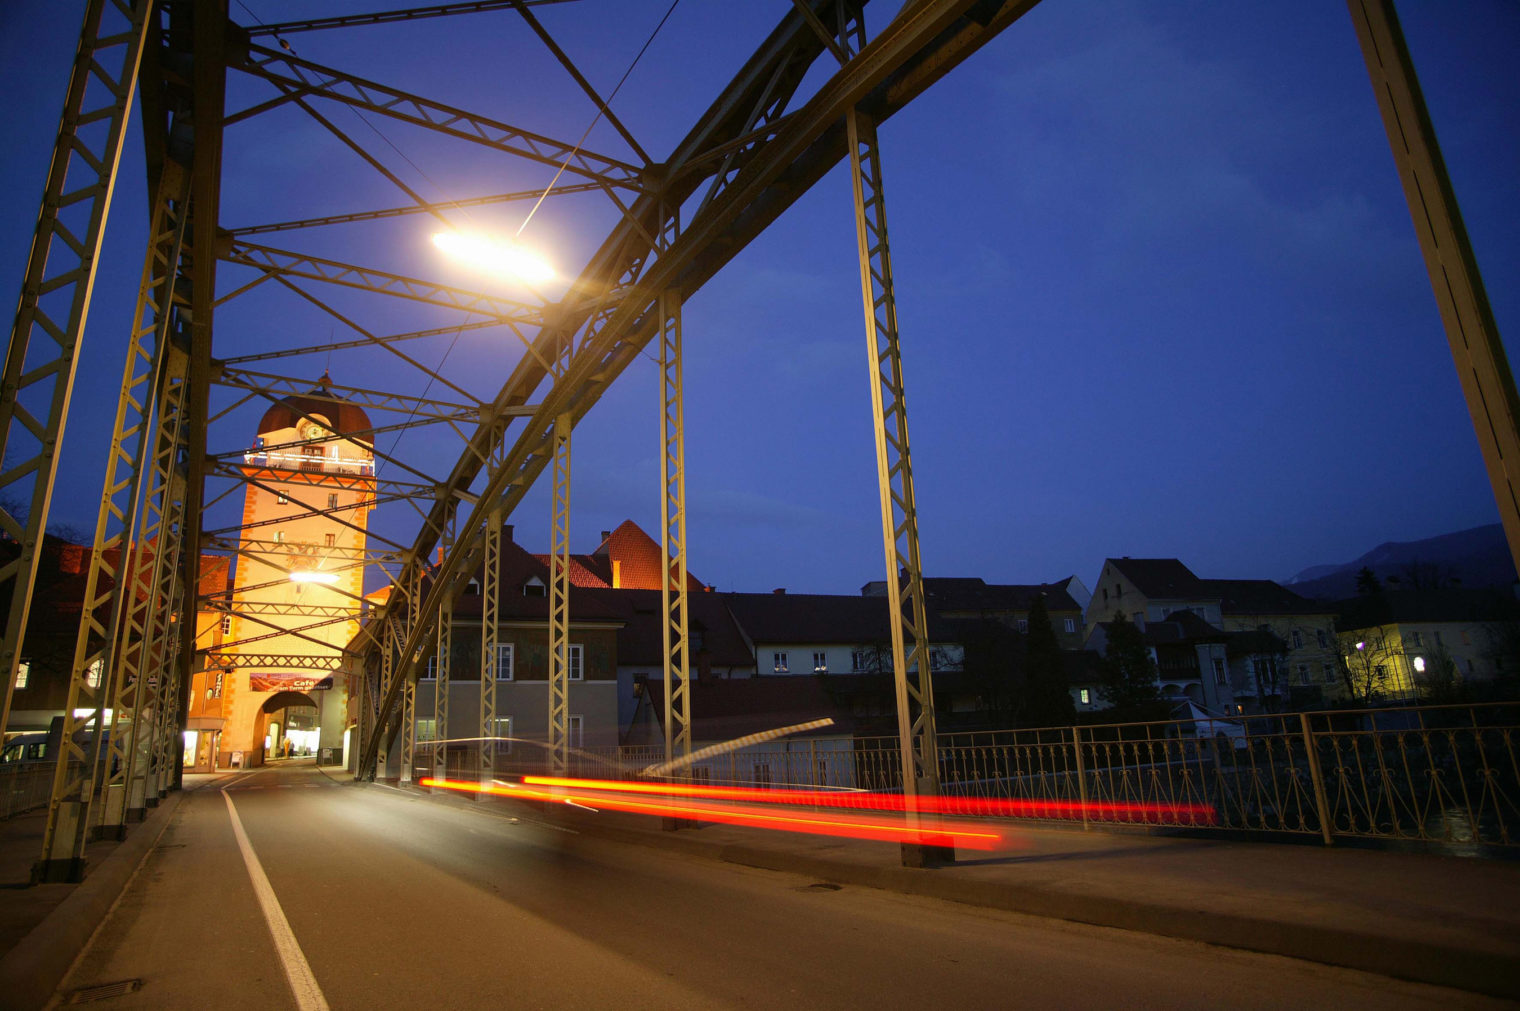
(332, 500)
(331, 540)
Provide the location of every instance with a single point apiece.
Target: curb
(1488, 972)
(33, 970)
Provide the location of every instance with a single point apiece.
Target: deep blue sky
(1158, 288)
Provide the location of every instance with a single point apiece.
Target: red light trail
(757, 808)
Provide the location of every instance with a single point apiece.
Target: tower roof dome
(322, 403)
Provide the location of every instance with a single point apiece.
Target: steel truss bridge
(767, 136)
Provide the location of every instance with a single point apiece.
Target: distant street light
(499, 257)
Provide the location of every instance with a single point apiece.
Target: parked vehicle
(24, 750)
(1207, 725)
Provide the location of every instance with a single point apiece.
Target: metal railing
(1448, 776)
(25, 788)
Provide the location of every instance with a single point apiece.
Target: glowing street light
(499, 257)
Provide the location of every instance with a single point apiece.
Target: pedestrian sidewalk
(1448, 920)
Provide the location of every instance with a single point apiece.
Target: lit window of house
(820, 662)
(278, 536)
(92, 677)
(778, 663)
(23, 674)
(427, 729)
(226, 624)
(1086, 696)
(504, 735)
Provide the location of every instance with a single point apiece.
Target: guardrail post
(1320, 803)
(1076, 747)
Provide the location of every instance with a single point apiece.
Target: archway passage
(289, 727)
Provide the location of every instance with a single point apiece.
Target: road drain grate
(105, 991)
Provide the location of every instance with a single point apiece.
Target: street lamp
(499, 257)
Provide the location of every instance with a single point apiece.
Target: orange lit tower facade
(299, 578)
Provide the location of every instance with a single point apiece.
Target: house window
(503, 735)
(1071, 624)
(576, 736)
(427, 730)
(535, 587)
(1414, 639)
(503, 661)
(1303, 673)
(778, 663)
(577, 662)
(312, 457)
(282, 499)
(226, 624)
(432, 668)
(1319, 634)
(332, 500)
(820, 663)
(472, 588)
(763, 775)
(1220, 677)
(279, 537)
(859, 660)
(1327, 672)
(1298, 639)
(92, 676)
(1085, 695)
(1023, 624)
(1105, 594)
(23, 674)
(330, 540)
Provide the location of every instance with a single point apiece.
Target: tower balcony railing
(285, 460)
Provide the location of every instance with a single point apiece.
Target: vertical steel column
(490, 601)
(389, 647)
(104, 638)
(443, 648)
(154, 610)
(676, 652)
(1476, 349)
(38, 382)
(894, 471)
(559, 600)
(409, 685)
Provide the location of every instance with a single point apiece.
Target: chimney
(779, 591)
(605, 535)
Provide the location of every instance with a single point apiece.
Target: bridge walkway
(1443, 919)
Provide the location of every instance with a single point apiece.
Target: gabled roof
(723, 709)
(1160, 578)
(963, 594)
(1419, 606)
(1258, 642)
(641, 639)
(1182, 626)
(809, 617)
(1258, 596)
(518, 568)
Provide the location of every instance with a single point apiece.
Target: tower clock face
(314, 431)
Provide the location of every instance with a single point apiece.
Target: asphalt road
(395, 901)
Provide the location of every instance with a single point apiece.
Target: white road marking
(303, 985)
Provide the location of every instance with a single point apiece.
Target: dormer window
(472, 588)
(535, 587)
